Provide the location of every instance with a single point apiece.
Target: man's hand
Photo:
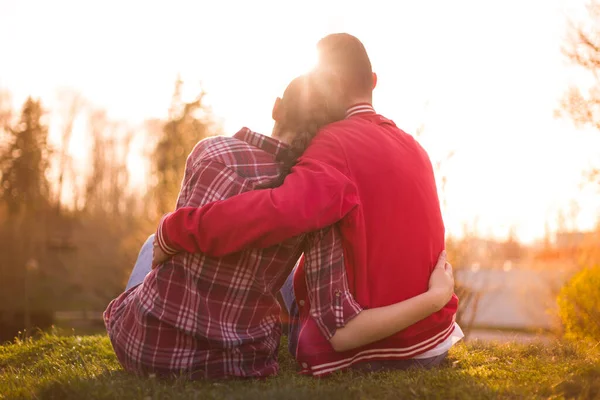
(158, 256)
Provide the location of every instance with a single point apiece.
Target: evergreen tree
(25, 161)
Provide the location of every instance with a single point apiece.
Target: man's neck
(359, 101)
(359, 108)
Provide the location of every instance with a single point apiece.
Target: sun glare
(301, 62)
(243, 69)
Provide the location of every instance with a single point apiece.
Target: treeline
(70, 231)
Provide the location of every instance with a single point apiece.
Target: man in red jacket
(376, 184)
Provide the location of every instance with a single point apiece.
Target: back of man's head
(345, 57)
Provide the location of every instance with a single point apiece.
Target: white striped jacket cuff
(160, 238)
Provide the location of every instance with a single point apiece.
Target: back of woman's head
(306, 106)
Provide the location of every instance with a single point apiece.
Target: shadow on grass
(446, 382)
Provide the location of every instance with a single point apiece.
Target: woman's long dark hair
(306, 106)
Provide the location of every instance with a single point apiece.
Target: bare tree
(583, 49)
(71, 106)
(94, 191)
(107, 187)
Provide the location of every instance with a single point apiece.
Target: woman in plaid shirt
(218, 317)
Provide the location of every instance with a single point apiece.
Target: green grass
(84, 367)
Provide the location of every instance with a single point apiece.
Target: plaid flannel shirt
(210, 317)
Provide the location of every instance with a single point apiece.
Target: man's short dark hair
(344, 56)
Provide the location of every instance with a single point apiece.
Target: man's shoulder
(340, 128)
(350, 129)
(336, 133)
(373, 121)
(337, 126)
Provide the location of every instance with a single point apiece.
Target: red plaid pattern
(209, 317)
(324, 294)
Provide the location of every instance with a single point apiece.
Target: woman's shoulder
(216, 148)
(214, 143)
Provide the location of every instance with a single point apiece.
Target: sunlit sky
(483, 77)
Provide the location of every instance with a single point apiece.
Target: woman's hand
(441, 282)
(374, 324)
